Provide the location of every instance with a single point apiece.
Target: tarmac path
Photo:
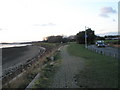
(70, 66)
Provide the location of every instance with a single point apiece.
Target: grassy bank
(48, 72)
(31, 71)
(100, 71)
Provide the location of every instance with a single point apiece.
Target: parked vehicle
(100, 44)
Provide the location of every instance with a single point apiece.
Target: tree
(80, 37)
(65, 40)
(100, 38)
(54, 39)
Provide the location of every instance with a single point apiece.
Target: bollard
(103, 53)
(100, 52)
(110, 54)
(114, 55)
(96, 51)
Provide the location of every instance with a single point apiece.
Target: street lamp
(86, 37)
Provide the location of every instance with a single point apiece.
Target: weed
(48, 73)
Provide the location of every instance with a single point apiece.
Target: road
(70, 66)
(109, 51)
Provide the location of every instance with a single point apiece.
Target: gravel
(70, 66)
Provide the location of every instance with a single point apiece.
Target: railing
(107, 53)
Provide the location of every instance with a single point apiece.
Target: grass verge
(100, 71)
(47, 73)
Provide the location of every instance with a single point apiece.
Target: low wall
(19, 68)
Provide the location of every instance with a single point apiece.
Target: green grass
(45, 79)
(100, 71)
(107, 41)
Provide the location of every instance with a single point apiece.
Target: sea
(12, 45)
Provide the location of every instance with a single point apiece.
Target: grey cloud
(103, 15)
(114, 20)
(105, 11)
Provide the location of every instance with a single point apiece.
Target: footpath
(70, 66)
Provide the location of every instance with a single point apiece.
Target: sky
(33, 20)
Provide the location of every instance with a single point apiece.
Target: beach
(14, 56)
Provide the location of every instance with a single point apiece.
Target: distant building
(116, 38)
(112, 37)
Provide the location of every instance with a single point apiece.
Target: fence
(103, 52)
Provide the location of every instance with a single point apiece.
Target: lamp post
(85, 37)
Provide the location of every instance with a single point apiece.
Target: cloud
(2, 29)
(114, 20)
(108, 10)
(104, 15)
(105, 11)
(48, 24)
